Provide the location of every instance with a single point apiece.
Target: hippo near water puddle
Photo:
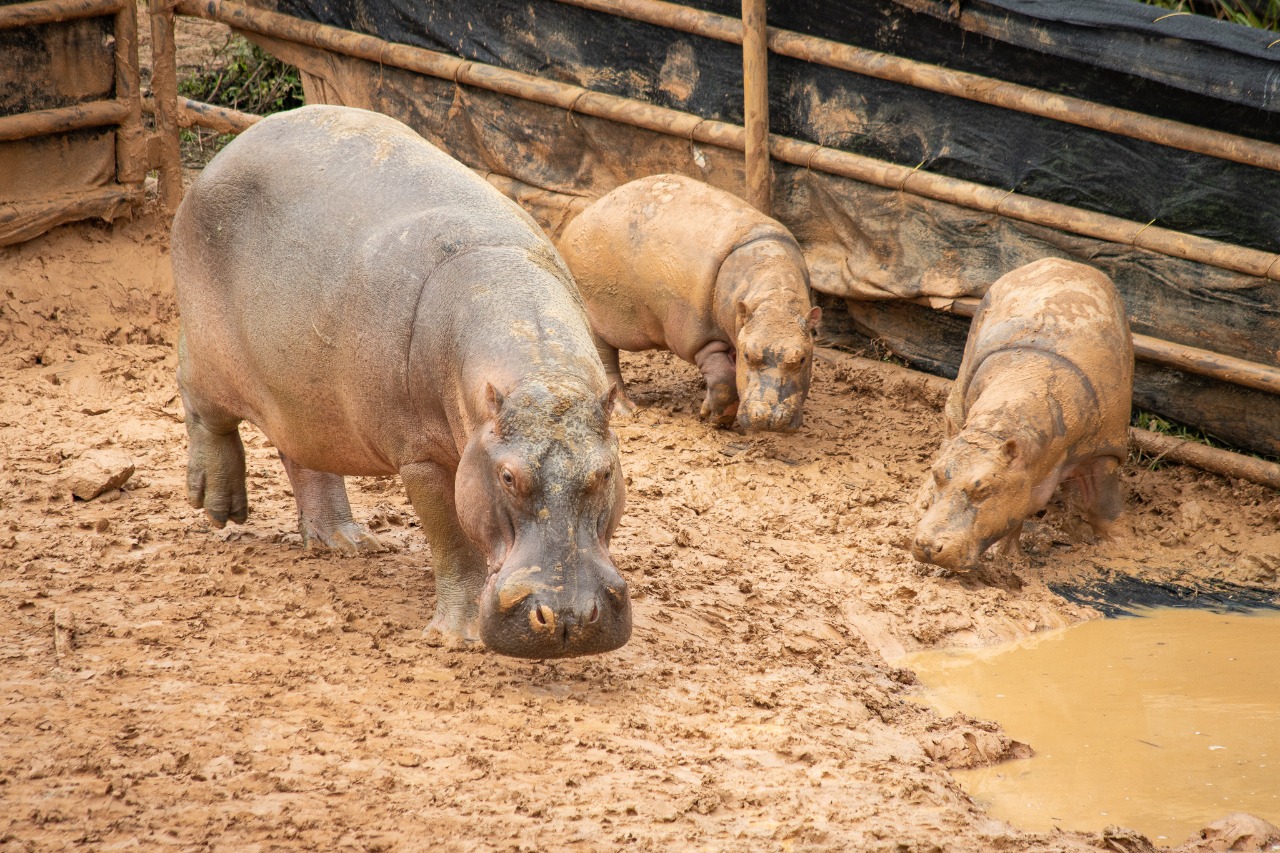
(1043, 398)
(375, 307)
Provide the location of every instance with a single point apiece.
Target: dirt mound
(166, 683)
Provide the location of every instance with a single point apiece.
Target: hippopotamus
(667, 262)
(375, 307)
(1043, 398)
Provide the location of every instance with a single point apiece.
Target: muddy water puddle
(1161, 723)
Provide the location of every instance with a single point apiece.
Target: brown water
(1162, 723)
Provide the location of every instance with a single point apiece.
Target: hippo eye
(508, 479)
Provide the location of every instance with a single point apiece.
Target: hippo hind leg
(609, 357)
(1097, 486)
(215, 466)
(324, 514)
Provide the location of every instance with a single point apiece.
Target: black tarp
(1188, 68)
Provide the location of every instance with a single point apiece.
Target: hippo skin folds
(374, 307)
(667, 262)
(1042, 398)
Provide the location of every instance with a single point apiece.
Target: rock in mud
(98, 471)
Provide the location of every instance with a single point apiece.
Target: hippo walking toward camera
(1042, 398)
(667, 262)
(375, 307)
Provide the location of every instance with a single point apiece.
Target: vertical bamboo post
(164, 85)
(131, 166)
(755, 96)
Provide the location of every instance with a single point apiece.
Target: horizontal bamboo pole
(672, 122)
(55, 11)
(63, 119)
(960, 84)
(1208, 458)
(1226, 368)
(219, 119)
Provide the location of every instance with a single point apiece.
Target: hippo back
(1061, 314)
(320, 261)
(650, 251)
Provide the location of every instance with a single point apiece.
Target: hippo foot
(346, 537)
(623, 405)
(452, 633)
(215, 475)
(720, 407)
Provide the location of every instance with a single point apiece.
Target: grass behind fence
(243, 77)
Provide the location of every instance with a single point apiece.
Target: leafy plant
(247, 78)
(243, 77)
(1262, 14)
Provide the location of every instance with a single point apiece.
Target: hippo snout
(538, 613)
(763, 418)
(947, 549)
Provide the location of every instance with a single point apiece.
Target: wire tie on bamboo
(814, 151)
(574, 105)
(1003, 199)
(902, 185)
(1272, 265)
(1134, 242)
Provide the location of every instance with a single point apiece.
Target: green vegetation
(1263, 14)
(243, 77)
(1164, 426)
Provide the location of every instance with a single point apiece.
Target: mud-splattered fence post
(131, 154)
(755, 97)
(164, 85)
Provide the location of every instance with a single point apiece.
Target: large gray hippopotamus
(374, 307)
(667, 262)
(1043, 398)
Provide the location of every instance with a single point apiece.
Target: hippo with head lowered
(375, 307)
(667, 262)
(1043, 398)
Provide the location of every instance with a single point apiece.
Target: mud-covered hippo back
(1072, 314)
(658, 239)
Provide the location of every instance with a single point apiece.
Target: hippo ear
(744, 313)
(1011, 451)
(607, 399)
(493, 399)
(811, 322)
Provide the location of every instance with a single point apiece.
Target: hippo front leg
(459, 569)
(324, 513)
(613, 371)
(715, 360)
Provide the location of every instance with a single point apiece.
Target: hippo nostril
(541, 614)
(594, 616)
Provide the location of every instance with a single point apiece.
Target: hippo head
(977, 492)
(539, 492)
(774, 363)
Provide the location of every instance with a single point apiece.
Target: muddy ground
(168, 685)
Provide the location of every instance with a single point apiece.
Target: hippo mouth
(556, 612)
